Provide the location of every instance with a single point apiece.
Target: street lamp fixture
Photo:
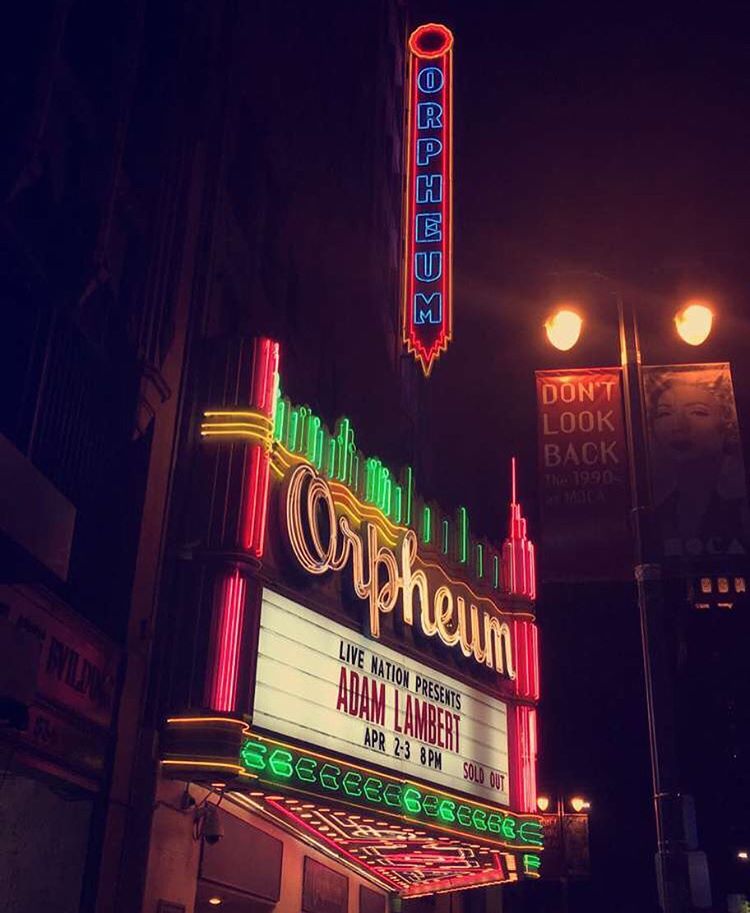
(578, 804)
(542, 803)
(563, 328)
(694, 322)
(743, 855)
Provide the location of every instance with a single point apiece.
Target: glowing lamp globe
(542, 803)
(578, 803)
(694, 323)
(563, 329)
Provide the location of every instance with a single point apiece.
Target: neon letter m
(428, 308)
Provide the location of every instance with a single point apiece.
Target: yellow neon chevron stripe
(251, 425)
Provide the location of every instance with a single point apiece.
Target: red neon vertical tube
(231, 590)
(262, 398)
(524, 754)
(526, 641)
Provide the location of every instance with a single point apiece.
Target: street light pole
(671, 858)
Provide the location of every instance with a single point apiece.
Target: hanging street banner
(583, 475)
(697, 468)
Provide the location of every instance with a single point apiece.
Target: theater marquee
(321, 683)
(370, 675)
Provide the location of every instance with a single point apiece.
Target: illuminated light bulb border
(308, 772)
(498, 874)
(311, 837)
(333, 844)
(413, 862)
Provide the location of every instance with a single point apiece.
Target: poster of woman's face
(697, 469)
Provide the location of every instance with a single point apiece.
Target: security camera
(209, 823)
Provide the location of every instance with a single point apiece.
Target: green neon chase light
(277, 764)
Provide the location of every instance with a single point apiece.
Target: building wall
(306, 248)
(44, 835)
(104, 166)
(714, 738)
(174, 856)
(174, 172)
(288, 215)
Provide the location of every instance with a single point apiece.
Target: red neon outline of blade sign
(427, 342)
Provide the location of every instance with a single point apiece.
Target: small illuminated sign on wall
(428, 210)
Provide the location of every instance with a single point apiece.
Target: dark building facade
(101, 183)
(164, 190)
(178, 179)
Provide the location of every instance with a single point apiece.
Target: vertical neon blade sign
(428, 211)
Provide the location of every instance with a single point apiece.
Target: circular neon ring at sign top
(432, 29)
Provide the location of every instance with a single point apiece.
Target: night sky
(587, 139)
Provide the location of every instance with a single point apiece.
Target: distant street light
(694, 323)
(566, 840)
(743, 855)
(563, 328)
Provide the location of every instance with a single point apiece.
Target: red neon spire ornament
(427, 305)
(518, 549)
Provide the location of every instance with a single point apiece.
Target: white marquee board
(325, 684)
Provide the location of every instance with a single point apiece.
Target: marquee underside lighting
(411, 838)
(427, 304)
(406, 835)
(282, 765)
(414, 862)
